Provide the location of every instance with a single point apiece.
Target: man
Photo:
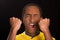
(34, 22)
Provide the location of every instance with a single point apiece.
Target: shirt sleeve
(18, 37)
(53, 38)
(43, 37)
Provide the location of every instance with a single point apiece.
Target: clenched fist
(44, 24)
(15, 23)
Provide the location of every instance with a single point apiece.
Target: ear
(23, 20)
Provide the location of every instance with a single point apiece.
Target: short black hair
(31, 4)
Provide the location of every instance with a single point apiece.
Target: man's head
(31, 16)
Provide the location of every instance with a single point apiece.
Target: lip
(31, 24)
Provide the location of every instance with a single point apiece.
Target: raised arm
(15, 26)
(44, 27)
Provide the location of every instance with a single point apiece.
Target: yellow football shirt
(23, 36)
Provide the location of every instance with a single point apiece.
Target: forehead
(32, 10)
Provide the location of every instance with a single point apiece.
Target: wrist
(13, 30)
(46, 30)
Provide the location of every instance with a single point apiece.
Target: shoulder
(19, 36)
(43, 36)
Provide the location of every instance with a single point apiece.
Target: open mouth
(32, 25)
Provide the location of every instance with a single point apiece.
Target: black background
(10, 8)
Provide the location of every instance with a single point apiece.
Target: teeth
(31, 24)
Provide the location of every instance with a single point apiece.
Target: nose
(32, 19)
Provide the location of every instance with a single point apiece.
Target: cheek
(37, 19)
(26, 21)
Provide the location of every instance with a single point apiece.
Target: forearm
(47, 35)
(12, 35)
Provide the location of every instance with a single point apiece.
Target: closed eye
(27, 15)
(36, 14)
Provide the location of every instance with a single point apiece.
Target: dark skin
(32, 15)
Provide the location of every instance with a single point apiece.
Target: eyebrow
(30, 14)
(27, 14)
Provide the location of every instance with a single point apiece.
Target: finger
(48, 20)
(12, 18)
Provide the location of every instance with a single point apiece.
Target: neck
(33, 34)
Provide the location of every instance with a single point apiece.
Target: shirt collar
(30, 36)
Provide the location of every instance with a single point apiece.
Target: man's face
(31, 18)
